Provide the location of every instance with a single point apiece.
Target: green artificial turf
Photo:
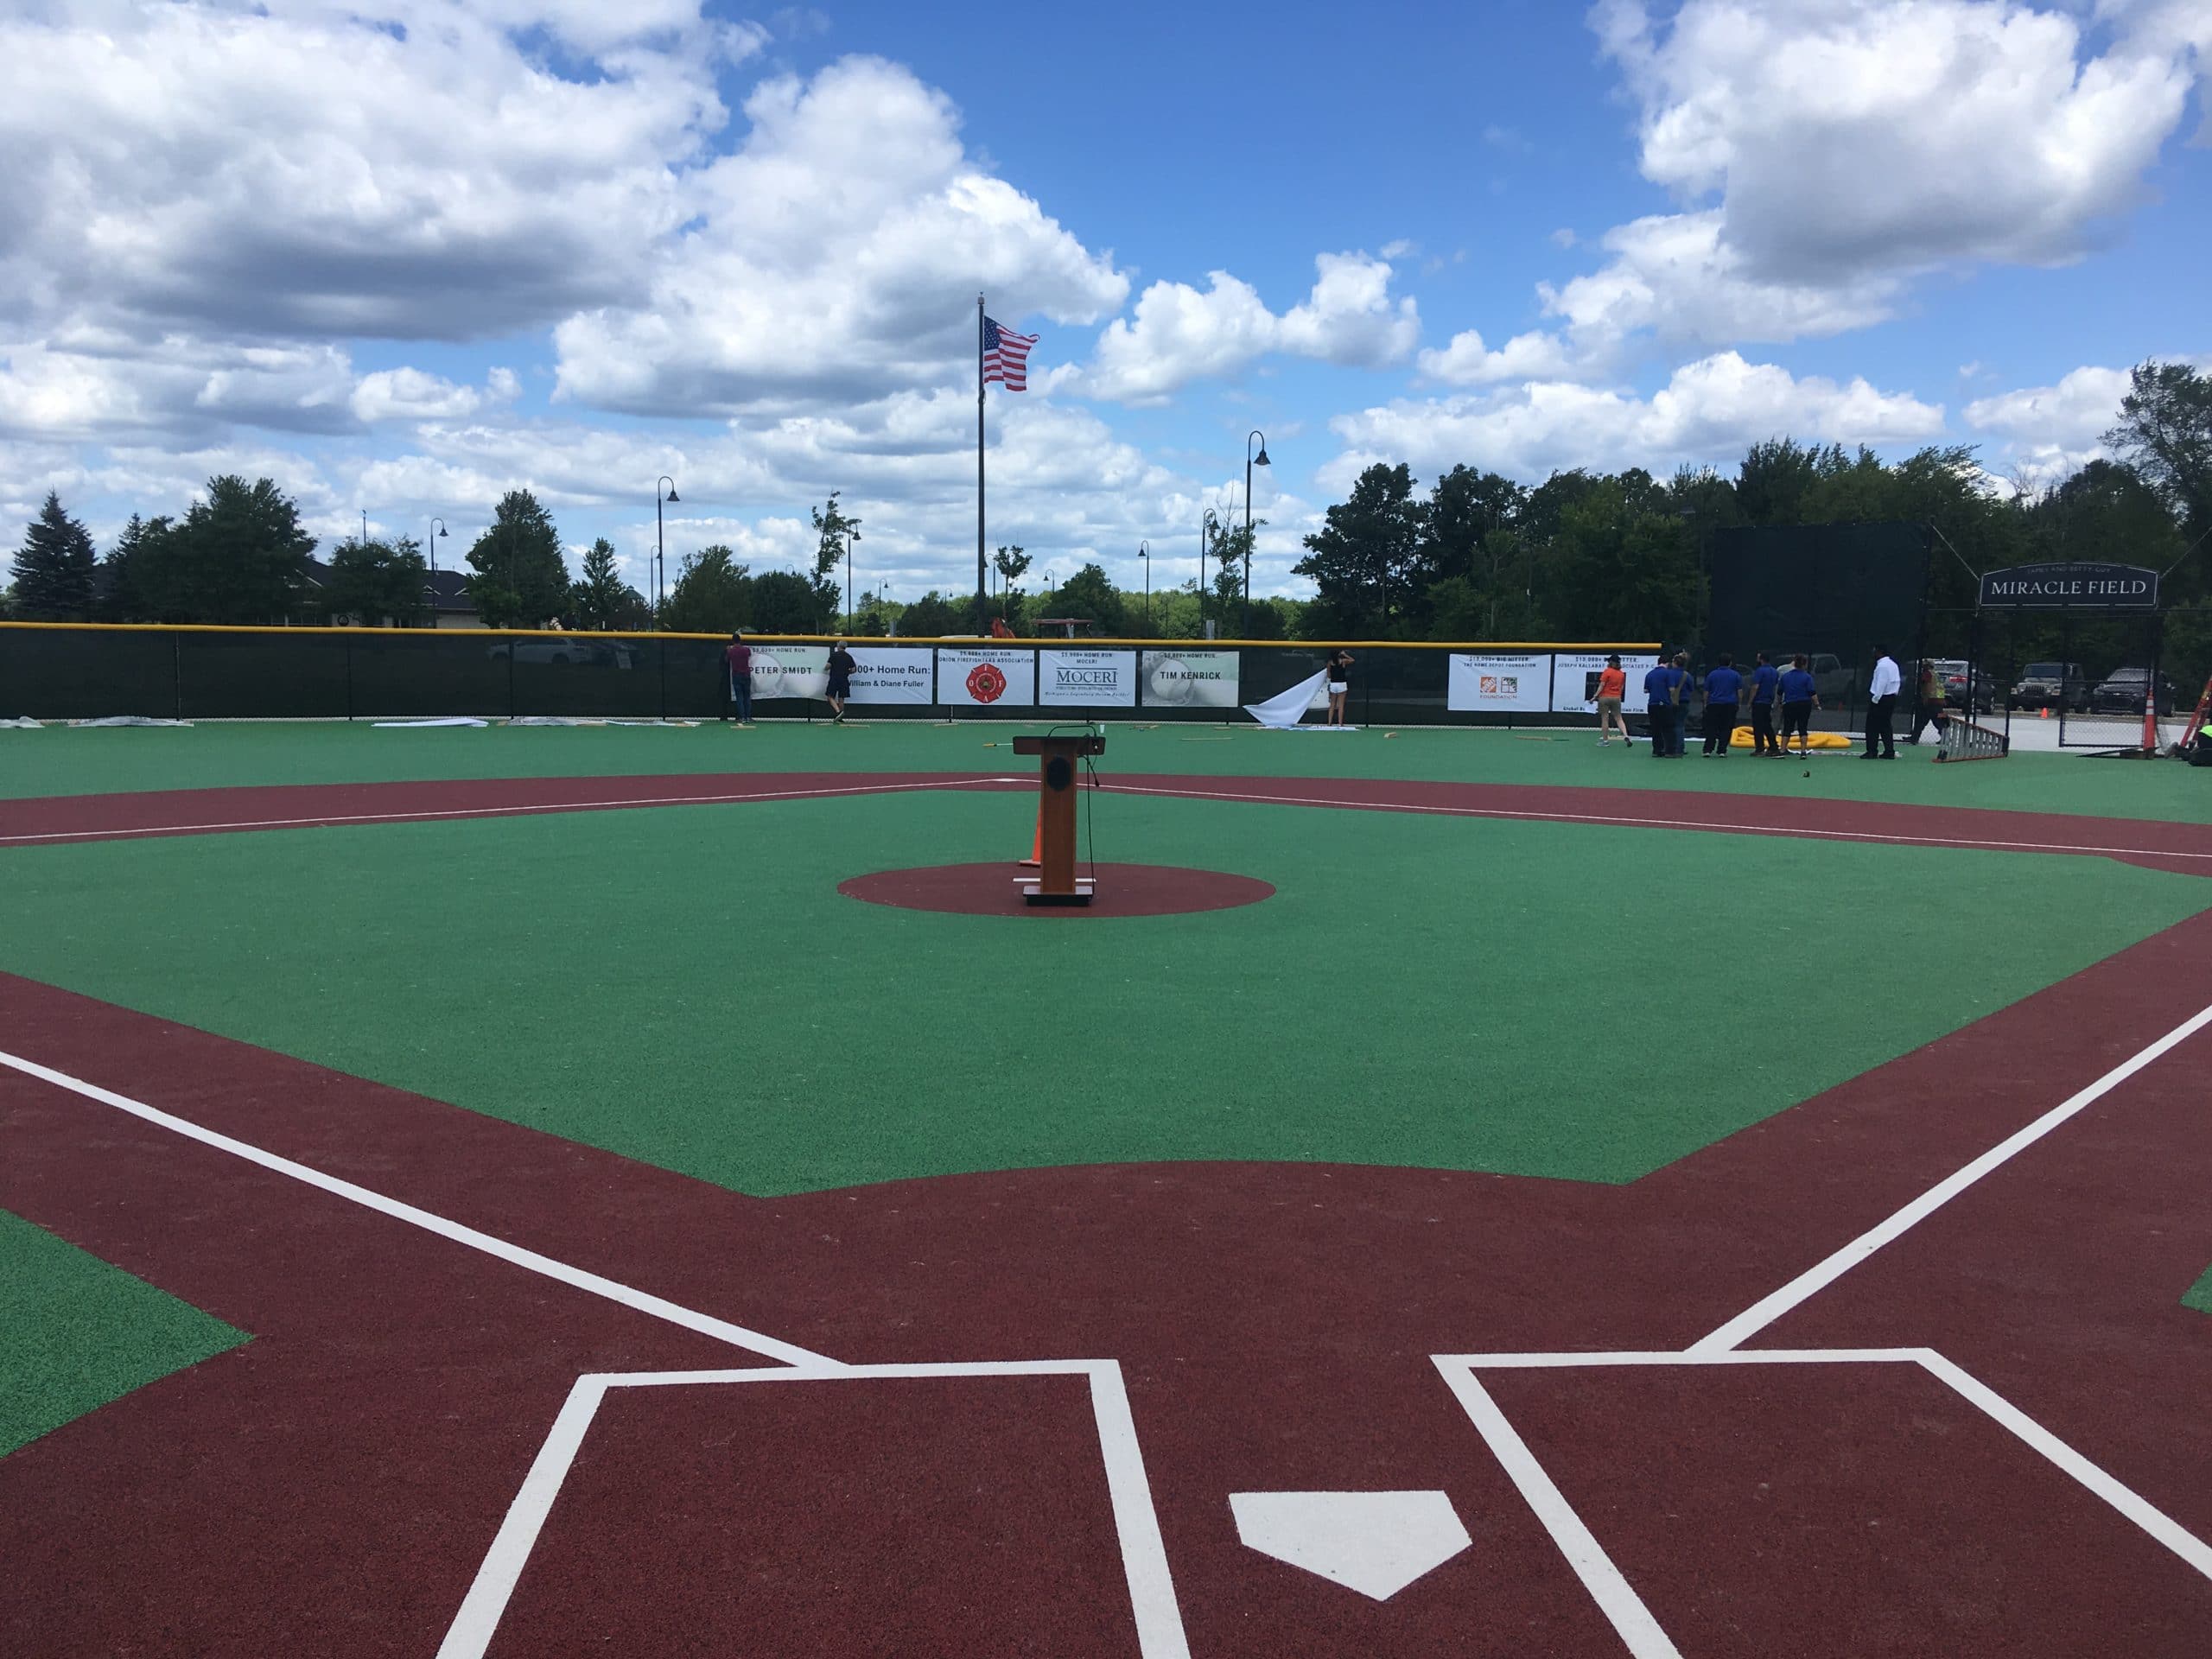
(684, 985)
(76, 1333)
(2199, 1296)
(62, 761)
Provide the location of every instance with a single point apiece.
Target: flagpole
(983, 602)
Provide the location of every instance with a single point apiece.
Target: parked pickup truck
(2052, 685)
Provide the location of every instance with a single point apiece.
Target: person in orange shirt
(1612, 686)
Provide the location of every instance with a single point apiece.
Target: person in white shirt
(1882, 708)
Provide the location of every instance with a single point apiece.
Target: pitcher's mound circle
(995, 890)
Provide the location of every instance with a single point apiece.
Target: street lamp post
(437, 529)
(1244, 625)
(852, 535)
(1144, 552)
(1207, 525)
(365, 530)
(660, 542)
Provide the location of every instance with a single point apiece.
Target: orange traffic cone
(2043, 713)
(1036, 859)
(2150, 718)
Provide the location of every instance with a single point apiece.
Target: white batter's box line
(1137, 1520)
(1609, 1587)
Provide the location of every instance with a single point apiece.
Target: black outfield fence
(89, 671)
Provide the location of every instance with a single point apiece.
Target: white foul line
(334, 818)
(1144, 1555)
(1768, 1308)
(1622, 1606)
(530, 1260)
(1657, 824)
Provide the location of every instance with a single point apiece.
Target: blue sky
(406, 254)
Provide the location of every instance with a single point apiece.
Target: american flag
(1006, 356)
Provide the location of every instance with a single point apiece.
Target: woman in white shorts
(1339, 667)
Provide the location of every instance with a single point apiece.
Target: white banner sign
(790, 671)
(986, 678)
(1520, 683)
(1105, 679)
(1575, 679)
(1190, 679)
(892, 674)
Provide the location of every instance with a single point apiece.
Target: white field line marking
(1658, 823)
(2130, 1505)
(494, 1584)
(514, 1255)
(1622, 1608)
(2137, 1508)
(1768, 1308)
(1136, 1521)
(501, 811)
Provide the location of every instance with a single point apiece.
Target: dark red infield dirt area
(334, 1485)
(337, 1484)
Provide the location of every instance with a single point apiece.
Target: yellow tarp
(1741, 739)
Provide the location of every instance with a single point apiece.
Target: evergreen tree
(238, 557)
(115, 592)
(375, 582)
(53, 569)
(712, 595)
(599, 598)
(520, 579)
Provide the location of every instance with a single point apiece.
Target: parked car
(1834, 682)
(568, 648)
(2121, 692)
(2051, 685)
(1979, 697)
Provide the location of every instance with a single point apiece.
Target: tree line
(1475, 556)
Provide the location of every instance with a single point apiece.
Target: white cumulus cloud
(1181, 333)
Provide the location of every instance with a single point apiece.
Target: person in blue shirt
(1798, 700)
(1766, 684)
(1724, 690)
(1659, 703)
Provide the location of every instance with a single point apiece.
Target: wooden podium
(1055, 881)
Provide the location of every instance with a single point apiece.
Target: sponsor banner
(892, 674)
(790, 671)
(989, 677)
(1089, 679)
(1519, 683)
(1190, 679)
(1574, 678)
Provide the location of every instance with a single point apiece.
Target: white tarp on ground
(892, 674)
(1191, 679)
(130, 719)
(25, 724)
(1516, 681)
(986, 677)
(424, 725)
(1574, 678)
(1087, 679)
(1285, 711)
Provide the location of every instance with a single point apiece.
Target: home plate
(1375, 1542)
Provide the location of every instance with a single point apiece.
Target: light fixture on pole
(660, 542)
(365, 528)
(1244, 625)
(1144, 552)
(437, 529)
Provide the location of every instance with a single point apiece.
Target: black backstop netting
(1837, 593)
